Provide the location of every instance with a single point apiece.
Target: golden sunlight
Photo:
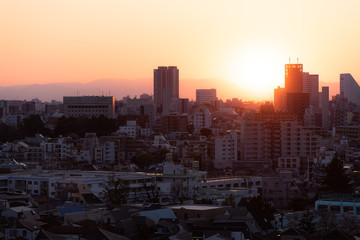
(257, 71)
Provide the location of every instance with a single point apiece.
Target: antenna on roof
(297, 60)
(289, 60)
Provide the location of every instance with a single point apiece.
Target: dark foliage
(32, 125)
(144, 160)
(206, 132)
(8, 133)
(257, 204)
(116, 191)
(336, 179)
(79, 126)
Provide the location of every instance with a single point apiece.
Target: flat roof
(196, 207)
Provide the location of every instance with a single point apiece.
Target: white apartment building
(202, 119)
(89, 106)
(226, 150)
(130, 129)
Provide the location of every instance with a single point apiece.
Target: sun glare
(257, 71)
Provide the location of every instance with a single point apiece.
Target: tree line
(77, 127)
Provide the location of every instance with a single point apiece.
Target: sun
(256, 71)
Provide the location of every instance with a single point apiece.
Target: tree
(229, 201)
(206, 132)
(143, 160)
(152, 192)
(336, 179)
(32, 125)
(178, 192)
(116, 191)
(257, 204)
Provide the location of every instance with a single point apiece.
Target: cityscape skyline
(52, 42)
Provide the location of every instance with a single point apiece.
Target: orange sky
(241, 45)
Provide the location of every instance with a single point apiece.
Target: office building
(206, 96)
(89, 106)
(349, 88)
(293, 78)
(166, 88)
(311, 86)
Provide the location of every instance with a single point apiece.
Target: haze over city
(237, 47)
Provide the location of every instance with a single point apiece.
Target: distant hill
(118, 88)
(56, 91)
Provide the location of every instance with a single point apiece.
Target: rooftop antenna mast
(297, 60)
(289, 60)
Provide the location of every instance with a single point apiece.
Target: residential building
(202, 119)
(166, 88)
(226, 150)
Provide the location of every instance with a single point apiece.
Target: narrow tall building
(293, 78)
(311, 86)
(325, 107)
(166, 88)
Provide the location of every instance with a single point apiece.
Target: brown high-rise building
(166, 88)
(293, 78)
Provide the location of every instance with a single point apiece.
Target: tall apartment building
(202, 119)
(298, 141)
(89, 106)
(166, 88)
(349, 88)
(226, 150)
(206, 96)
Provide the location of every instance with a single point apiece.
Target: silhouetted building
(293, 78)
(279, 99)
(296, 103)
(174, 123)
(89, 106)
(206, 96)
(166, 88)
(349, 88)
(325, 108)
(311, 86)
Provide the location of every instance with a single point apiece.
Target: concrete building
(349, 88)
(293, 78)
(297, 140)
(325, 108)
(311, 86)
(174, 123)
(89, 106)
(202, 119)
(166, 88)
(226, 150)
(206, 96)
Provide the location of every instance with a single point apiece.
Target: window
(36, 182)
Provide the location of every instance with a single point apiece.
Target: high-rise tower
(293, 78)
(166, 88)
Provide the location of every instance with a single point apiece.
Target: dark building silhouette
(166, 88)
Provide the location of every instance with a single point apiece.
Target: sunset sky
(238, 47)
